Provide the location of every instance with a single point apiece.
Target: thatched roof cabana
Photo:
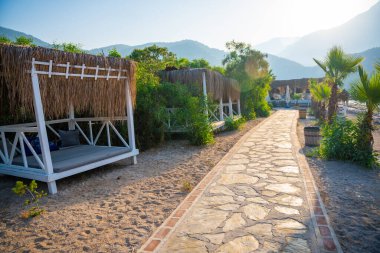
(54, 84)
(293, 83)
(218, 86)
(99, 97)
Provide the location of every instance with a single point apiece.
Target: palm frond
(377, 66)
(321, 65)
(366, 90)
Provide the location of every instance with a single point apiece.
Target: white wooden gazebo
(49, 166)
(224, 91)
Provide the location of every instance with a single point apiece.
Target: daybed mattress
(75, 156)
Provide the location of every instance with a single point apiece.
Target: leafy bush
(22, 189)
(114, 53)
(5, 40)
(200, 130)
(68, 47)
(24, 41)
(186, 186)
(234, 124)
(341, 141)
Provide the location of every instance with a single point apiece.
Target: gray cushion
(75, 156)
(69, 138)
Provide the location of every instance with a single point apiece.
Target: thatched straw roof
(99, 97)
(299, 83)
(217, 85)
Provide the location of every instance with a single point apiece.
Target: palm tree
(337, 66)
(321, 93)
(367, 90)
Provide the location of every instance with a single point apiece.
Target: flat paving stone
(260, 230)
(220, 189)
(205, 221)
(255, 203)
(285, 188)
(227, 179)
(217, 200)
(242, 244)
(287, 200)
(289, 169)
(235, 221)
(296, 245)
(255, 211)
(215, 238)
(286, 210)
(289, 226)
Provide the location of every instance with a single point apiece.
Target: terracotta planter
(312, 136)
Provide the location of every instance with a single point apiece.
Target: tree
(219, 69)
(24, 41)
(68, 47)
(250, 68)
(320, 93)
(200, 63)
(114, 53)
(337, 66)
(182, 63)
(154, 58)
(367, 90)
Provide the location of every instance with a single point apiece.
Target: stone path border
(326, 238)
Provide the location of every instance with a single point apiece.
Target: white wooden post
(230, 107)
(221, 116)
(108, 134)
(130, 124)
(42, 134)
(71, 117)
(204, 90)
(238, 107)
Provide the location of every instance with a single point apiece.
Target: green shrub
(114, 53)
(32, 200)
(234, 124)
(263, 109)
(24, 41)
(5, 40)
(341, 141)
(200, 130)
(186, 186)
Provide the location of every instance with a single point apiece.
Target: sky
(98, 23)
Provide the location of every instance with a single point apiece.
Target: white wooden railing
(20, 138)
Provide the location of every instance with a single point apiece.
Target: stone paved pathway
(255, 202)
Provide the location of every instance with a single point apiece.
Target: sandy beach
(114, 208)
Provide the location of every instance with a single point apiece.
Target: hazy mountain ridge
(283, 68)
(185, 48)
(276, 45)
(13, 34)
(358, 34)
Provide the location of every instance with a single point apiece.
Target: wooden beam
(130, 124)
(40, 119)
(221, 116)
(204, 90)
(230, 107)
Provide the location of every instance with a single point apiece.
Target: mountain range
(286, 56)
(358, 34)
